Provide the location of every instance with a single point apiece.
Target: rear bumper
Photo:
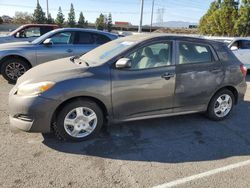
(31, 114)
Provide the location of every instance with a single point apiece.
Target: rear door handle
(167, 76)
(69, 50)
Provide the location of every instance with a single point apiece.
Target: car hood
(58, 70)
(15, 45)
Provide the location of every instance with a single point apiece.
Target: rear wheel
(13, 68)
(221, 105)
(79, 120)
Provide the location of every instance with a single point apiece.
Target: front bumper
(31, 113)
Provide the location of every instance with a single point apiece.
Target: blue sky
(122, 10)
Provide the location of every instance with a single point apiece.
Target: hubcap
(223, 105)
(80, 122)
(15, 70)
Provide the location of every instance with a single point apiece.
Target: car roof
(49, 25)
(143, 37)
(86, 30)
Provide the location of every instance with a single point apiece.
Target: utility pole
(140, 26)
(47, 8)
(152, 15)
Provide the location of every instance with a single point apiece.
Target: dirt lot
(135, 154)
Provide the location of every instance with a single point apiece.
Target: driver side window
(151, 56)
(62, 38)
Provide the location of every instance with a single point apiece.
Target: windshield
(43, 37)
(107, 51)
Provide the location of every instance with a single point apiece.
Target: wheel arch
(96, 100)
(230, 88)
(14, 56)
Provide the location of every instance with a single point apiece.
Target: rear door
(147, 88)
(84, 42)
(198, 74)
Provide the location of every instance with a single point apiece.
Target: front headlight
(35, 88)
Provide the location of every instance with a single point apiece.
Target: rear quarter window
(224, 53)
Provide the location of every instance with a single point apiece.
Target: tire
(17, 65)
(214, 105)
(71, 113)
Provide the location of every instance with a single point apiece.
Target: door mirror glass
(48, 42)
(123, 63)
(233, 48)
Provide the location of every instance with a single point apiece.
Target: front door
(147, 88)
(61, 47)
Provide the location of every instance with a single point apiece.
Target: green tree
(1, 20)
(109, 24)
(228, 17)
(60, 17)
(242, 25)
(39, 15)
(100, 22)
(71, 16)
(81, 21)
(220, 19)
(50, 20)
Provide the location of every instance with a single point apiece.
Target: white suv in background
(241, 48)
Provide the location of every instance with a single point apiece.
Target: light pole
(47, 8)
(140, 26)
(152, 15)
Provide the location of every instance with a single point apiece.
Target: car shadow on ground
(168, 140)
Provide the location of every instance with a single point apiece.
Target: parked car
(131, 78)
(28, 32)
(17, 58)
(241, 49)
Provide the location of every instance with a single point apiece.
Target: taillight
(243, 70)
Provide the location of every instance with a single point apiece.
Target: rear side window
(224, 53)
(100, 39)
(194, 53)
(84, 38)
(45, 30)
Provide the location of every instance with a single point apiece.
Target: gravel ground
(135, 154)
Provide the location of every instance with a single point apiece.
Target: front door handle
(69, 50)
(167, 76)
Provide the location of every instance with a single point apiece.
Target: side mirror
(123, 63)
(18, 35)
(48, 42)
(233, 48)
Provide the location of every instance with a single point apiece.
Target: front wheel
(13, 68)
(79, 120)
(221, 105)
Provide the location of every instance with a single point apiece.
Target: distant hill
(174, 24)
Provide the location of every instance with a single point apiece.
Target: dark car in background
(16, 58)
(28, 32)
(131, 78)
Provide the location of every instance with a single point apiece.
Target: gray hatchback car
(131, 78)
